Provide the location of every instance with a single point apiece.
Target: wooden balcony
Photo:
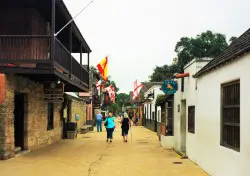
(39, 59)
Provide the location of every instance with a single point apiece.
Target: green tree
(162, 73)
(207, 44)
(115, 108)
(121, 99)
(232, 39)
(92, 71)
(111, 82)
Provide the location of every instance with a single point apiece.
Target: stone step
(22, 152)
(18, 149)
(181, 154)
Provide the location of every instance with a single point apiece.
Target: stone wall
(79, 107)
(36, 134)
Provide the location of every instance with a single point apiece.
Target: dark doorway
(183, 126)
(155, 119)
(19, 121)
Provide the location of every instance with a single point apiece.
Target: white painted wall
(177, 118)
(167, 142)
(213, 158)
(157, 92)
(189, 95)
(158, 114)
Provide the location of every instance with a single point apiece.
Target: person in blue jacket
(110, 126)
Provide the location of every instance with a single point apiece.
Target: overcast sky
(140, 34)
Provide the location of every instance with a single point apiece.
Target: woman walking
(125, 127)
(110, 126)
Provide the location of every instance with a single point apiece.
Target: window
(50, 124)
(191, 119)
(230, 116)
(170, 118)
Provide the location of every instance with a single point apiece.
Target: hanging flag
(103, 68)
(137, 88)
(111, 91)
(98, 86)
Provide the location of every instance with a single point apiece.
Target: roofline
(222, 62)
(151, 88)
(197, 60)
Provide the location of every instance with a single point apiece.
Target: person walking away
(125, 127)
(130, 115)
(110, 126)
(136, 120)
(99, 121)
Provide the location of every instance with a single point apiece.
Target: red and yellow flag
(103, 68)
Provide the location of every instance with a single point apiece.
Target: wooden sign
(53, 98)
(52, 88)
(169, 87)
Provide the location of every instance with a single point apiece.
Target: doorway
(183, 126)
(19, 121)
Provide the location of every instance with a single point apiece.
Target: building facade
(27, 122)
(223, 119)
(36, 68)
(152, 113)
(211, 112)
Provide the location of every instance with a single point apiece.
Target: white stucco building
(212, 114)
(184, 101)
(223, 113)
(151, 112)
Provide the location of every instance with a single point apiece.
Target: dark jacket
(125, 124)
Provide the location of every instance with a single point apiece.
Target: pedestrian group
(109, 123)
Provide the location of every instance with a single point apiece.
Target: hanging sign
(52, 88)
(169, 87)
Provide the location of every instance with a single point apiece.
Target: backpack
(106, 123)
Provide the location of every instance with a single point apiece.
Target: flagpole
(73, 18)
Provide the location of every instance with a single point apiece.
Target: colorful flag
(137, 88)
(103, 68)
(111, 91)
(98, 86)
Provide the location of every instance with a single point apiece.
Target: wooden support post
(88, 68)
(88, 61)
(70, 48)
(53, 21)
(81, 62)
(163, 119)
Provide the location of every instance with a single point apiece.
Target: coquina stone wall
(36, 135)
(79, 107)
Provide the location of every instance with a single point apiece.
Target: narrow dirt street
(91, 155)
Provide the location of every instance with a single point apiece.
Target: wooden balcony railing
(20, 49)
(30, 49)
(64, 58)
